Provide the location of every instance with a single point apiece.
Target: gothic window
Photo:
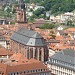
(18, 13)
(40, 55)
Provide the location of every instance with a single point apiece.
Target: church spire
(21, 4)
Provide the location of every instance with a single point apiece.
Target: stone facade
(21, 12)
(39, 53)
(30, 44)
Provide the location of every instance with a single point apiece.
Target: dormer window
(12, 60)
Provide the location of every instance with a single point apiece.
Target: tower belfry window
(18, 13)
(21, 12)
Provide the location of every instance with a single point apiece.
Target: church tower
(21, 12)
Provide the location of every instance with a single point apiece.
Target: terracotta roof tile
(4, 52)
(18, 66)
(71, 29)
(59, 38)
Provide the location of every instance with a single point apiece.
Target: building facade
(62, 63)
(4, 53)
(30, 43)
(3, 41)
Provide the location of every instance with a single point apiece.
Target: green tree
(47, 26)
(39, 11)
(70, 23)
(31, 18)
(59, 5)
(53, 36)
(14, 11)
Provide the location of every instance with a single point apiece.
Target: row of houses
(62, 18)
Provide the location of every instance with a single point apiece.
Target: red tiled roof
(17, 66)
(4, 52)
(59, 38)
(71, 29)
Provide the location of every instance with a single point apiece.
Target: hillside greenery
(47, 26)
(56, 6)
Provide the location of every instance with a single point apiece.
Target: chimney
(7, 56)
(30, 26)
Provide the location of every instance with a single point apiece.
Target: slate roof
(28, 37)
(67, 55)
(54, 41)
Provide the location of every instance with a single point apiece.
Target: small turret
(30, 26)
